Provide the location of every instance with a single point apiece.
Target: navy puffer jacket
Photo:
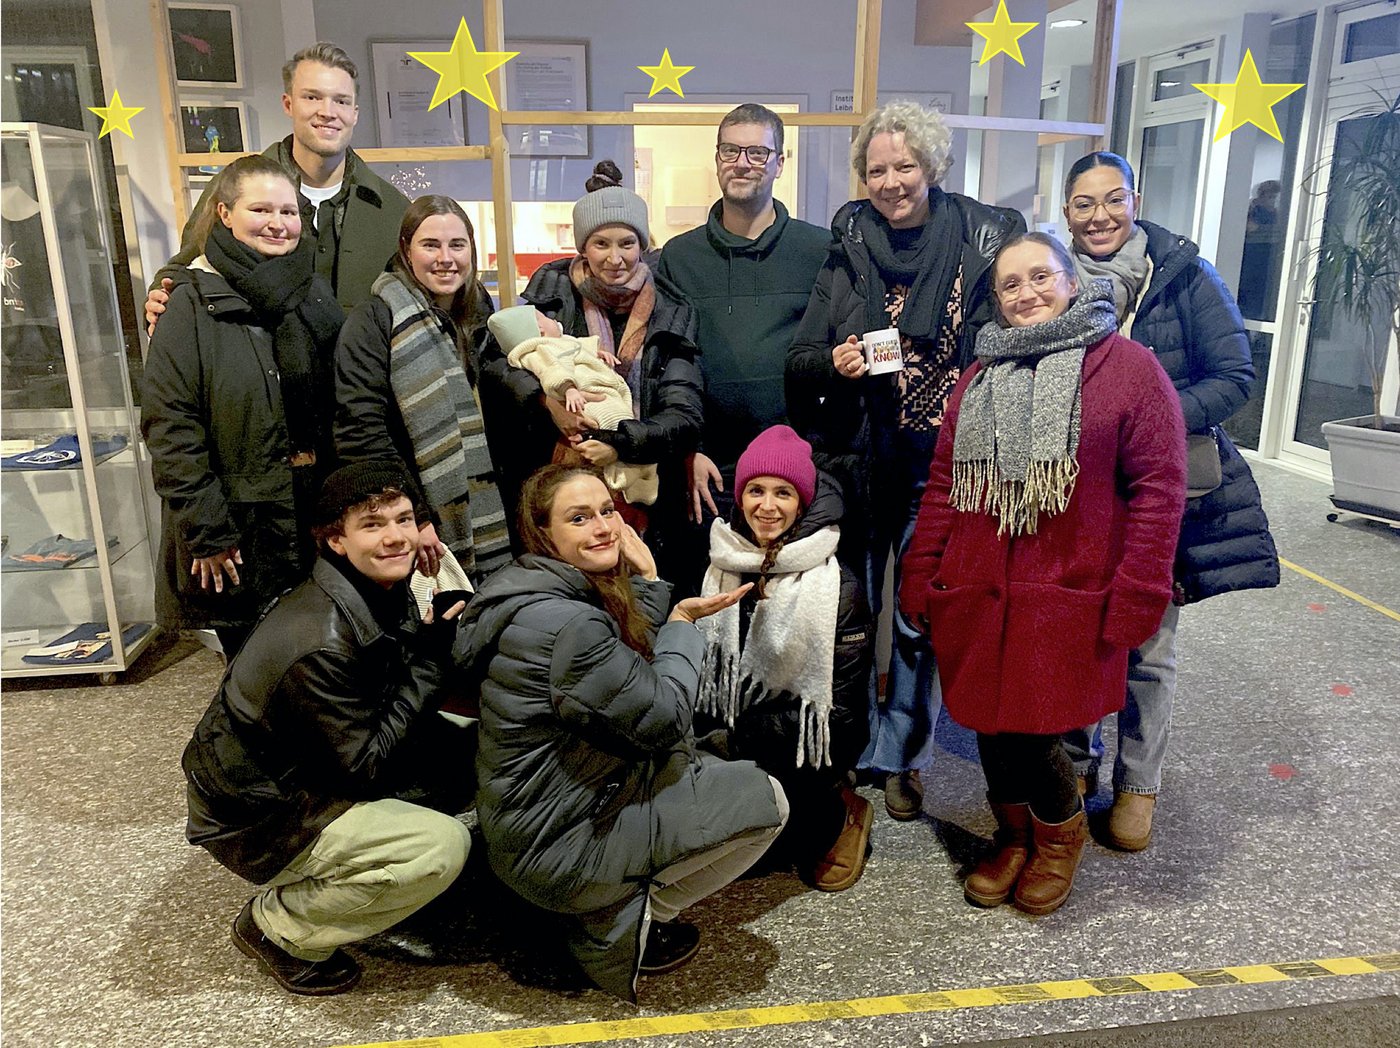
(1190, 321)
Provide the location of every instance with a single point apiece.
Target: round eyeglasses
(1039, 283)
(1116, 206)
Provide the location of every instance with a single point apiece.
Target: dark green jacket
(368, 221)
(750, 295)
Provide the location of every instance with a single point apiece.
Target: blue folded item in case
(52, 553)
(63, 453)
(90, 642)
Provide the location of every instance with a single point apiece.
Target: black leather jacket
(321, 708)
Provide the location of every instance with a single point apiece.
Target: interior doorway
(675, 167)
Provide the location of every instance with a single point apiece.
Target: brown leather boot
(991, 882)
(1056, 850)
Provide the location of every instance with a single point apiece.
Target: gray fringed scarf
(444, 425)
(791, 641)
(1015, 450)
(1127, 268)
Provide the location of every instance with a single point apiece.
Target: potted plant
(1358, 273)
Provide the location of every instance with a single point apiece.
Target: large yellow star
(666, 76)
(1247, 100)
(1001, 34)
(116, 117)
(464, 68)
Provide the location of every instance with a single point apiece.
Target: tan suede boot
(991, 882)
(842, 866)
(1056, 849)
(1130, 821)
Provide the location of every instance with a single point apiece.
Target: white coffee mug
(883, 352)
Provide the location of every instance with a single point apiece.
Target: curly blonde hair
(925, 132)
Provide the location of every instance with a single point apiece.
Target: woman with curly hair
(917, 260)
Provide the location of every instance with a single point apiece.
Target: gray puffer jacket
(588, 778)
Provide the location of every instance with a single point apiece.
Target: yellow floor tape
(1364, 601)
(904, 1004)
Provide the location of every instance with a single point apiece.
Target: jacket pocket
(965, 625)
(1053, 637)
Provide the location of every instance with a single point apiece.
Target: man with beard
(351, 214)
(749, 272)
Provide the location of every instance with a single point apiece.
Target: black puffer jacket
(321, 708)
(767, 730)
(1189, 319)
(834, 413)
(213, 418)
(589, 782)
(521, 433)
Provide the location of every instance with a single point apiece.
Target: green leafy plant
(1358, 261)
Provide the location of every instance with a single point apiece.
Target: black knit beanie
(356, 484)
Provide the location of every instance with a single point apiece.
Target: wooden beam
(165, 77)
(494, 21)
(654, 118)
(867, 72)
(400, 155)
(1104, 80)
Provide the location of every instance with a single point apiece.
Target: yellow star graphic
(1247, 100)
(666, 76)
(1001, 34)
(116, 117)
(464, 68)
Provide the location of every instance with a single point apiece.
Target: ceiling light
(1067, 23)
(1169, 83)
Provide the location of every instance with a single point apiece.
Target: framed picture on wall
(205, 42)
(549, 75)
(213, 127)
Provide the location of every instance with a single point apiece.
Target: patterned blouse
(930, 365)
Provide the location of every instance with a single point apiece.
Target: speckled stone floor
(1278, 840)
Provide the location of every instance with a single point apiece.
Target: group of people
(640, 526)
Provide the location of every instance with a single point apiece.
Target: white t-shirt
(318, 196)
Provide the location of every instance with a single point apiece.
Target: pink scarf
(638, 296)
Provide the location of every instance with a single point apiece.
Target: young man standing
(749, 271)
(325, 718)
(350, 213)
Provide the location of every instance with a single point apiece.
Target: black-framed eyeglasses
(1116, 205)
(1038, 282)
(729, 152)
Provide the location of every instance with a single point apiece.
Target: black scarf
(276, 288)
(932, 263)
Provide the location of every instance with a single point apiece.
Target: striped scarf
(444, 425)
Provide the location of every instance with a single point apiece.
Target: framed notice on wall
(942, 101)
(548, 75)
(403, 89)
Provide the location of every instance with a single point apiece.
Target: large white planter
(1366, 462)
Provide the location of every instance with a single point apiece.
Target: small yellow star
(116, 117)
(1247, 100)
(666, 76)
(464, 68)
(1001, 34)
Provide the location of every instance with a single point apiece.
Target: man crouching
(321, 722)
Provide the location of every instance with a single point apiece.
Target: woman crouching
(592, 798)
(787, 668)
(1043, 551)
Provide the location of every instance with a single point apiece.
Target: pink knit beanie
(778, 452)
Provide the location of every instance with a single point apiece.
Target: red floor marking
(1317, 607)
(1282, 771)
(1344, 690)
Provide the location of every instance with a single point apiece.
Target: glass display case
(77, 568)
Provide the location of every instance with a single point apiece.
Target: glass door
(1331, 377)
(1171, 142)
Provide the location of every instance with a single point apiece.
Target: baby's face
(548, 328)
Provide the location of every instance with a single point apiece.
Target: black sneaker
(336, 974)
(669, 946)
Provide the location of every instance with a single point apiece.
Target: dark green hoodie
(750, 295)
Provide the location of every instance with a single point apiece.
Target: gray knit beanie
(606, 206)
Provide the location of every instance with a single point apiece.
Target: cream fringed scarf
(791, 641)
(1014, 453)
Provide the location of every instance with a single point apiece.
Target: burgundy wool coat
(1032, 633)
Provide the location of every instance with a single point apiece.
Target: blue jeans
(1143, 723)
(901, 727)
